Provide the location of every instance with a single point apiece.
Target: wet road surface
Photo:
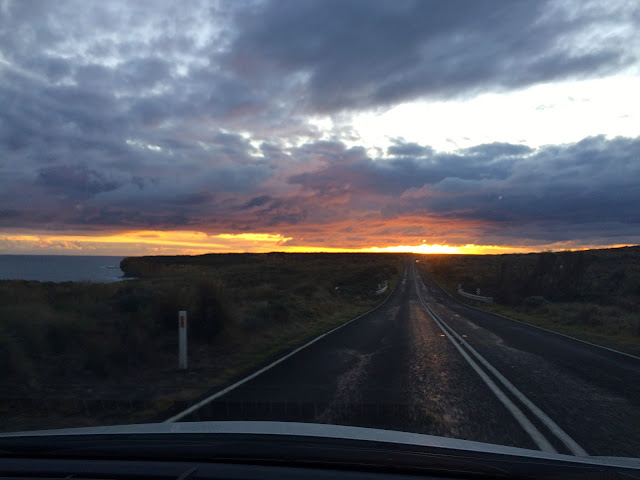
(422, 362)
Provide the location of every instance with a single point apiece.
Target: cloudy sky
(165, 127)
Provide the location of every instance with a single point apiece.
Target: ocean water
(60, 268)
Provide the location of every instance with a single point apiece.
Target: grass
(593, 295)
(75, 353)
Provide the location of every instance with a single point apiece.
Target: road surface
(423, 362)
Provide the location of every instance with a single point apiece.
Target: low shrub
(209, 310)
(13, 360)
(132, 298)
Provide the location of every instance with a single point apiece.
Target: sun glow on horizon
(143, 242)
(152, 242)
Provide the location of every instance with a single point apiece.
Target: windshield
(413, 216)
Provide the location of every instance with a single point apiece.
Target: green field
(593, 295)
(76, 354)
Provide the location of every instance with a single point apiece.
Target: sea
(60, 268)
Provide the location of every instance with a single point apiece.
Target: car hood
(319, 432)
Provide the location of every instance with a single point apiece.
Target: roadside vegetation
(79, 353)
(593, 295)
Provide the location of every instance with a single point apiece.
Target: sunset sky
(156, 127)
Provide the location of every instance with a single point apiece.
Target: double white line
(535, 434)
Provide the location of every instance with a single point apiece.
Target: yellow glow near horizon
(424, 248)
(469, 249)
(144, 242)
(152, 242)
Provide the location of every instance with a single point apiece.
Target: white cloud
(540, 115)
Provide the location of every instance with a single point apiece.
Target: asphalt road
(423, 362)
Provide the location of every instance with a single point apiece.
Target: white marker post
(182, 339)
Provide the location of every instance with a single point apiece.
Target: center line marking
(535, 434)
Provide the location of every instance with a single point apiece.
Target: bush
(25, 324)
(62, 337)
(132, 298)
(278, 310)
(96, 358)
(165, 304)
(534, 301)
(13, 360)
(210, 312)
(254, 321)
(588, 315)
(306, 289)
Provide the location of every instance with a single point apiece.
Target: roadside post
(182, 339)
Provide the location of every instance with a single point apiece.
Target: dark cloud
(151, 115)
(395, 175)
(10, 214)
(403, 149)
(74, 181)
(257, 201)
(587, 183)
(363, 53)
(497, 193)
(503, 186)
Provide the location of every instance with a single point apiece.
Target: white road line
(543, 417)
(224, 391)
(535, 434)
(571, 444)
